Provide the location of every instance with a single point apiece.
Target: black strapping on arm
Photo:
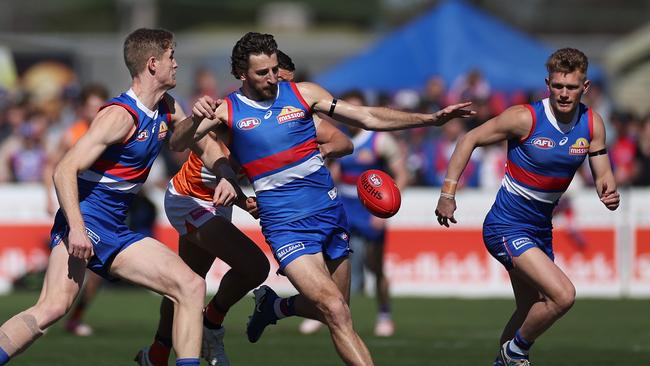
(599, 152)
(332, 106)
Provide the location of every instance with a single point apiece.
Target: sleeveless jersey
(119, 172)
(364, 157)
(540, 167)
(276, 146)
(194, 179)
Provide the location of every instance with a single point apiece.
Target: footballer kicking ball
(378, 193)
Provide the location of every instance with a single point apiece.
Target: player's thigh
(151, 264)
(197, 258)
(526, 294)
(340, 271)
(311, 277)
(535, 267)
(222, 239)
(63, 279)
(375, 257)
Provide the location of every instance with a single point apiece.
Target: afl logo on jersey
(580, 147)
(544, 143)
(143, 135)
(248, 123)
(375, 180)
(290, 113)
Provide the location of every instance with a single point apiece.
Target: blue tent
(448, 41)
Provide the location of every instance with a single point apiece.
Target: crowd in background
(31, 129)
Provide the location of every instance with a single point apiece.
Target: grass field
(430, 332)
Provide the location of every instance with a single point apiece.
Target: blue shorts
(325, 231)
(108, 235)
(507, 241)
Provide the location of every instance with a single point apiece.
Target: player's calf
(16, 334)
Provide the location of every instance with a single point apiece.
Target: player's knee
(51, 309)
(260, 271)
(335, 311)
(196, 286)
(566, 299)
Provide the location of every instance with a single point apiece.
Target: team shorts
(186, 213)
(507, 241)
(108, 235)
(325, 231)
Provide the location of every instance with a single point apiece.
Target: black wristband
(599, 152)
(332, 106)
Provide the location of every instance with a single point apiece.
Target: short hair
(252, 43)
(143, 43)
(567, 60)
(285, 62)
(92, 90)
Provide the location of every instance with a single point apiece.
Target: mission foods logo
(544, 143)
(580, 147)
(162, 131)
(290, 113)
(248, 123)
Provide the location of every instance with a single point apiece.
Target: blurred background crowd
(49, 90)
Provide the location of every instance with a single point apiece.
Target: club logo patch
(580, 147)
(290, 113)
(248, 123)
(544, 143)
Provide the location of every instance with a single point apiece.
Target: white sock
(512, 346)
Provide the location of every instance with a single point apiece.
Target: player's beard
(269, 92)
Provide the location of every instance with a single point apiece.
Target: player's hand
(79, 246)
(377, 223)
(610, 197)
(250, 205)
(445, 211)
(224, 194)
(453, 111)
(205, 107)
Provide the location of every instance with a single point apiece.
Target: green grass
(429, 332)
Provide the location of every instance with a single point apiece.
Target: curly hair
(144, 43)
(567, 60)
(252, 43)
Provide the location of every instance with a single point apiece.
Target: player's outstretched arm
(112, 125)
(331, 141)
(376, 118)
(206, 114)
(514, 122)
(601, 169)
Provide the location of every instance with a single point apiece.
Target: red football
(378, 193)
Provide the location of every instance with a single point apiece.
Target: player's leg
(63, 280)
(538, 270)
(157, 354)
(150, 264)
(375, 262)
(249, 267)
(75, 324)
(525, 296)
(535, 267)
(311, 277)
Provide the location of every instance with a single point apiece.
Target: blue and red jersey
(540, 166)
(365, 156)
(275, 142)
(119, 172)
